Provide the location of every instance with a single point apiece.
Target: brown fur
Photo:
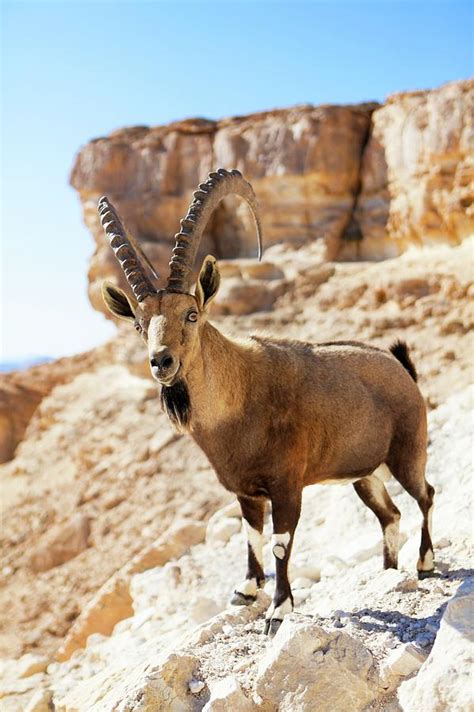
(274, 416)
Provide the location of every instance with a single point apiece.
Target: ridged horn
(218, 185)
(129, 254)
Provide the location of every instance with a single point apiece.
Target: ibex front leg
(253, 510)
(286, 507)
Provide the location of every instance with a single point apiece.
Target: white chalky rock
(306, 571)
(40, 702)
(222, 528)
(388, 581)
(403, 661)
(305, 666)
(227, 695)
(202, 609)
(301, 582)
(27, 665)
(136, 688)
(444, 682)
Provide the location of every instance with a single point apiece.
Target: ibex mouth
(170, 378)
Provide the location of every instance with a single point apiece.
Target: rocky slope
(99, 447)
(360, 638)
(117, 554)
(356, 182)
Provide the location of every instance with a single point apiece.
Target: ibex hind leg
(408, 467)
(372, 492)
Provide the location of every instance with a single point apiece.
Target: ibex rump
(271, 415)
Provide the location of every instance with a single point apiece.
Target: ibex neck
(220, 379)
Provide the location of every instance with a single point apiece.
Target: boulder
(227, 694)
(144, 688)
(307, 666)
(444, 682)
(62, 543)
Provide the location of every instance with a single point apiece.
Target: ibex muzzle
(272, 415)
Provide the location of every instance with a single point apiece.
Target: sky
(72, 71)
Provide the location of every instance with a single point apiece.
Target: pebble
(195, 686)
(423, 640)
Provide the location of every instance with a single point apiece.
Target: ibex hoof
(426, 574)
(271, 626)
(242, 599)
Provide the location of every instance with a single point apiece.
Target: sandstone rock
(306, 666)
(303, 163)
(112, 603)
(61, 543)
(226, 695)
(417, 173)
(260, 270)
(22, 391)
(444, 681)
(240, 297)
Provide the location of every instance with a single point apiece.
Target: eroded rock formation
(304, 164)
(354, 181)
(417, 180)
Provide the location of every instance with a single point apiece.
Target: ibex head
(170, 320)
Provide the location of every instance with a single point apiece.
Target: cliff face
(304, 164)
(358, 182)
(417, 178)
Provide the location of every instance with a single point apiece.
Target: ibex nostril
(162, 361)
(166, 362)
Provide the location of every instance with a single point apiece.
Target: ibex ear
(118, 302)
(208, 282)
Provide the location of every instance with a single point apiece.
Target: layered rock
(22, 391)
(417, 179)
(304, 164)
(353, 181)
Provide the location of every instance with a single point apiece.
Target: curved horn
(127, 251)
(206, 199)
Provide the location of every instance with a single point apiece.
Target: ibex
(273, 415)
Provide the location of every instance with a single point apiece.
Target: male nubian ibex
(273, 415)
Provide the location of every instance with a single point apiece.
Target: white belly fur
(382, 473)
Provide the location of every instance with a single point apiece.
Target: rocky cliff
(357, 181)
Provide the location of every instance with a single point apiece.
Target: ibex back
(272, 415)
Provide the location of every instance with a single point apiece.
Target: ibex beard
(274, 416)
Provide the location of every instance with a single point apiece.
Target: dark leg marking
(286, 507)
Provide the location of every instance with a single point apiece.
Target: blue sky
(72, 71)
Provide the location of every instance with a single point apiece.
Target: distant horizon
(82, 84)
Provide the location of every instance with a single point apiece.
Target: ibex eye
(192, 316)
(138, 328)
